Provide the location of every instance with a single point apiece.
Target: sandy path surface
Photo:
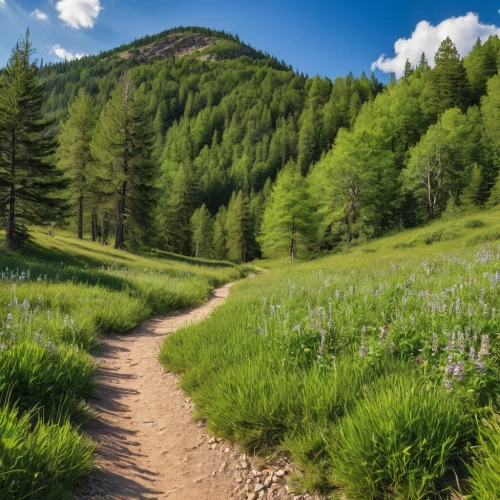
(149, 448)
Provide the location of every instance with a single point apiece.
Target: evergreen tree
(287, 223)
(237, 228)
(31, 186)
(408, 70)
(122, 147)
(473, 194)
(179, 207)
(201, 232)
(308, 142)
(449, 78)
(74, 152)
(219, 243)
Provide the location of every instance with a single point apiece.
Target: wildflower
(461, 342)
(472, 353)
(480, 366)
(448, 384)
(322, 344)
(458, 373)
(450, 367)
(10, 317)
(485, 346)
(435, 344)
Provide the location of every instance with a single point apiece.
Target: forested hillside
(192, 165)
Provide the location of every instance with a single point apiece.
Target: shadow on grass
(159, 254)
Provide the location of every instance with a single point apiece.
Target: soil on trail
(148, 446)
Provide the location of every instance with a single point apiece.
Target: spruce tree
(31, 184)
(178, 209)
(74, 153)
(287, 223)
(220, 234)
(122, 147)
(450, 82)
(201, 232)
(237, 227)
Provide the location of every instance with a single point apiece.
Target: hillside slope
(376, 369)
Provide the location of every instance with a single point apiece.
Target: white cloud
(38, 14)
(65, 54)
(463, 30)
(2, 4)
(79, 13)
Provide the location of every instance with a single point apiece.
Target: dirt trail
(149, 448)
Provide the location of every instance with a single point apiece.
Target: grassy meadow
(376, 369)
(57, 298)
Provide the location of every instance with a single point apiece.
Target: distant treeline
(244, 157)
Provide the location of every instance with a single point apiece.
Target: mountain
(226, 116)
(227, 119)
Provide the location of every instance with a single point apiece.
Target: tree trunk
(94, 224)
(120, 215)
(105, 229)
(80, 218)
(11, 221)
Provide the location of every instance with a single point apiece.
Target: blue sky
(328, 38)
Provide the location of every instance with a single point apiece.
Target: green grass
(369, 367)
(57, 298)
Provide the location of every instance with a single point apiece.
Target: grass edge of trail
(59, 297)
(236, 376)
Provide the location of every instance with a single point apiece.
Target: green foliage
(402, 438)
(28, 180)
(122, 149)
(48, 461)
(74, 153)
(485, 470)
(413, 331)
(57, 297)
(288, 221)
(202, 233)
(449, 78)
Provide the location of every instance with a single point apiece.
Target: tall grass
(367, 367)
(57, 299)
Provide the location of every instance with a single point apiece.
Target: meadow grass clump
(474, 223)
(485, 469)
(45, 461)
(57, 299)
(404, 439)
(365, 368)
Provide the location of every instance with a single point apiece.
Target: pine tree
(122, 147)
(449, 78)
(423, 63)
(74, 152)
(179, 207)
(473, 193)
(220, 234)
(237, 228)
(408, 70)
(287, 223)
(201, 232)
(30, 185)
(308, 142)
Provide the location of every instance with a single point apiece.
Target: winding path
(149, 448)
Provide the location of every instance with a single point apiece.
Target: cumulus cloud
(463, 30)
(79, 13)
(2, 4)
(65, 54)
(38, 14)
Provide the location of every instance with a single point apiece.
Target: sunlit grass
(57, 298)
(368, 366)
